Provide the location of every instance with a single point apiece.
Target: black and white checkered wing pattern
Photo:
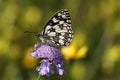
(58, 29)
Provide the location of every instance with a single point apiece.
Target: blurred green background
(94, 53)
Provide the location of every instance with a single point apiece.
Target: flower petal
(51, 58)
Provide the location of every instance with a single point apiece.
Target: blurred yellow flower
(28, 61)
(71, 52)
(68, 52)
(81, 52)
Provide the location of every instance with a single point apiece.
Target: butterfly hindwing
(58, 29)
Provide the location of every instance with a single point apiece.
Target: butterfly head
(41, 37)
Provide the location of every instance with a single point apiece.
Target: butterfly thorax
(45, 39)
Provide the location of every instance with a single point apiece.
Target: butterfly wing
(58, 29)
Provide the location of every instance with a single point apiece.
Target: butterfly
(58, 30)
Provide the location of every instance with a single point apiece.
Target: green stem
(38, 77)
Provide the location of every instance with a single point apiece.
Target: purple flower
(51, 59)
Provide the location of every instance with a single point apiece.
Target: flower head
(51, 58)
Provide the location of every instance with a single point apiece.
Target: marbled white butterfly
(58, 31)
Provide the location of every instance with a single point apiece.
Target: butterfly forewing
(58, 29)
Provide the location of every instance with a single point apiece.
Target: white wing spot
(68, 27)
(65, 9)
(64, 27)
(56, 27)
(48, 32)
(61, 31)
(69, 24)
(58, 44)
(61, 22)
(69, 39)
(67, 43)
(64, 12)
(57, 30)
(65, 24)
(61, 37)
(68, 21)
(52, 34)
(55, 20)
(61, 41)
(70, 35)
(70, 31)
(59, 14)
(63, 16)
(47, 27)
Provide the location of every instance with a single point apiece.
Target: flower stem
(38, 77)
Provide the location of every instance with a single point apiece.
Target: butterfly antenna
(30, 32)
